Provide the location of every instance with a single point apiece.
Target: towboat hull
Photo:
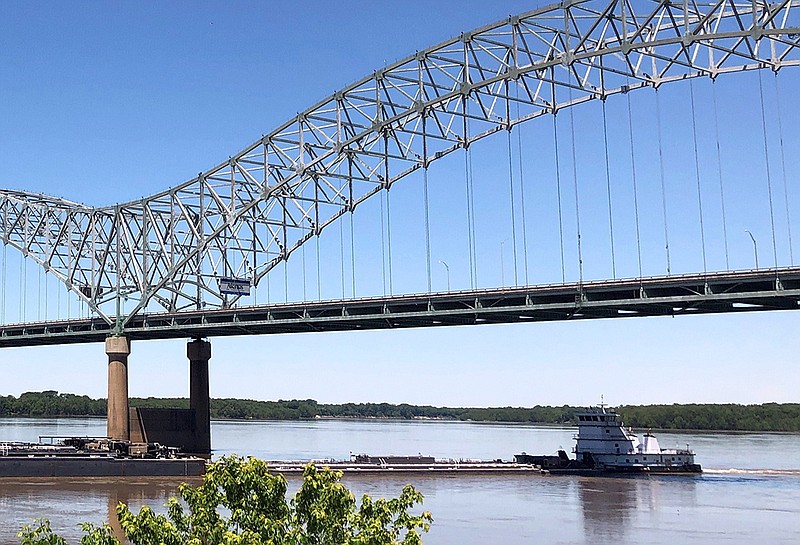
(691, 469)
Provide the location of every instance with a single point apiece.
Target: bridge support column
(199, 353)
(119, 426)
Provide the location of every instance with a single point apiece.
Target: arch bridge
(185, 262)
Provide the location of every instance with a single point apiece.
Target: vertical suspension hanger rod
(426, 204)
(783, 167)
(719, 172)
(575, 183)
(664, 214)
(634, 177)
(421, 91)
(473, 254)
(351, 207)
(383, 209)
(353, 253)
(608, 183)
(303, 256)
(319, 275)
(23, 285)
(522, 194)
(768, 170)
(387, 183)
(340, 221)
(468, 174)
(558, 193)
(285, 280)
(513, 206)
(697, 174)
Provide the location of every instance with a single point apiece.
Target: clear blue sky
(109, 102)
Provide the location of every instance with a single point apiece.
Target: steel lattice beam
(247, 214)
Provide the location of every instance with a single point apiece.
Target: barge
(367, 464)
(95, 457)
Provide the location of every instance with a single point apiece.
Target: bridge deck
(741, 291)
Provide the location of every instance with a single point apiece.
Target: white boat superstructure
(603, 443)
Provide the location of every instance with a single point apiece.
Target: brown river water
(749, 492)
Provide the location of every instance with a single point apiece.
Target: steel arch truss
(246, 215)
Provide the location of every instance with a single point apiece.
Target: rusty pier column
(118, 349)
(199, 353)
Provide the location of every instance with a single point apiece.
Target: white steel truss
(246, 215)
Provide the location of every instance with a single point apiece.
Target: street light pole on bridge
(502, 265)
(447, 268)
(755, 246)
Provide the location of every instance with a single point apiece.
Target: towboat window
(608, 430)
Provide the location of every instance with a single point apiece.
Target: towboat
(604, 445)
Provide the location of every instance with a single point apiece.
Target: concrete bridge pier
(199, 353)
(118, 349)
(186, 429)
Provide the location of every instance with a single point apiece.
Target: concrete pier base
(118, 349)
(199, 353)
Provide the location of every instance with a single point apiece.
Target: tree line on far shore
(782, 417)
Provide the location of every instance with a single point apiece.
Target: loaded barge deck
(95, 457)
(366, 464)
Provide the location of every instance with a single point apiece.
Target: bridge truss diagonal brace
(243, 217)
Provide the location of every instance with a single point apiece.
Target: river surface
(749, 492)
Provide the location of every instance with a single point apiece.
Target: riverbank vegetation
(782, 417)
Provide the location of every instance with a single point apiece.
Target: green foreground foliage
(241, 503)
(729, 417)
